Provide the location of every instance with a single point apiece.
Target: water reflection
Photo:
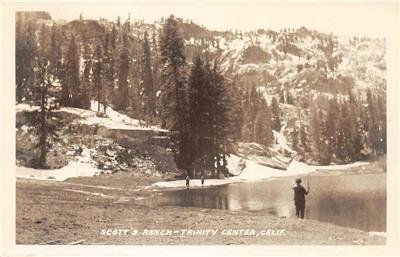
(364, 211)
(357, 201)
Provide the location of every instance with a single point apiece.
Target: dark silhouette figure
(202, 180)
(299, 198)
(187, 181)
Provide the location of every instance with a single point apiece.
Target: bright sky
(346, 18)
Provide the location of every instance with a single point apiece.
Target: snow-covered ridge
(303, 61)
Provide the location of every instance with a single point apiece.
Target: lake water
(349, 200)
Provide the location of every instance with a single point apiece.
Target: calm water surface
(350, 200)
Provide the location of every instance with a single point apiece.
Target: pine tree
(376, 123)
(303, 137)
(147, 80)
(236, 109)
(156, 63)
(355, 126)
(174, 97)
(86, 88)
(113, 37)
(347, 132)
(325, 154)
(25, 58)
(98, 75)
(71, 93)
(373, 125)
(43, 125)
(316, 133)
(364, 127)
(219, 113)
(276, 122)
(198, 118)
(295, 138)
(121, 101)
(251, 107)
(331, 126)
(55, 56)
(381, 146)
(108, 61)
(341, 135)
(263, 125)
(43, 40)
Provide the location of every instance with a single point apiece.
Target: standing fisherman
(299, 198)
(187, 181)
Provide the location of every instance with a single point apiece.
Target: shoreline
(80, 208)
(258, 172)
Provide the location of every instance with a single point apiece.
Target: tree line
(344, 129)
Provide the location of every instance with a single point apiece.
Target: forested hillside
(325, 95)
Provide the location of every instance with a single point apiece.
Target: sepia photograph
(201, 124)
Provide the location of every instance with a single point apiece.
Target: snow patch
(83, 167)
(90, 193)
(282, 142)
(114, 115)
(26, 108)
(376, 233)
(113, 119)
(340, 167)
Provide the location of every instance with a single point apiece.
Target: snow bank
(339, 167)
(254, 171)
(114, 119)
(26, 108)
(90, 118)
(83, 167)
(296, 166)
(114, 115)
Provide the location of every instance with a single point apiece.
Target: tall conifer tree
(71, 91)
(147, 79)
(174, 92)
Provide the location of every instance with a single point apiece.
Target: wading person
(187, 181)
(202, 180)
(299, 198)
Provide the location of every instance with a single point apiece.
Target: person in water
(299, 198)
(187, 181)
(202, 180)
